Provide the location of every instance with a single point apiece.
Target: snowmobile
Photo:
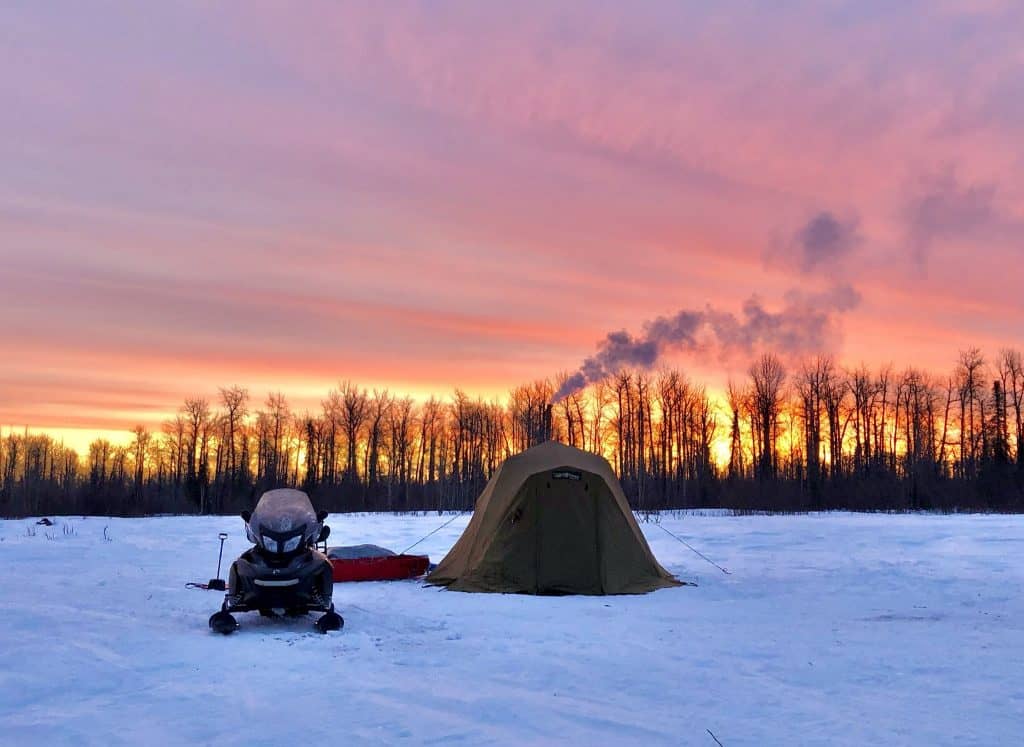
(284, 573)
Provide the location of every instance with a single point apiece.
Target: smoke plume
(819, 246)
(805, 324)
(824, 240)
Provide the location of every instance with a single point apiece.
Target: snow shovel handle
(222, 536)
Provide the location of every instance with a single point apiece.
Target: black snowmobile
(283, 574)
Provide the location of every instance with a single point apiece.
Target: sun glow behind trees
(813, 430)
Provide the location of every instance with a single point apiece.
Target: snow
(833, 629)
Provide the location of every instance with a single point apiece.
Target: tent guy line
(694, 549)
(428, 534)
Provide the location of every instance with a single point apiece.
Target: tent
(552, 520)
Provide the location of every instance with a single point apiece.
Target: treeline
(807, 437)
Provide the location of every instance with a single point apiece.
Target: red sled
(384, 568)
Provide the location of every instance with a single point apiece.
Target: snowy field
(833, 629)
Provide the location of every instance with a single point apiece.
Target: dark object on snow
(217, 584)
(552, 520)
(373, 563)
(352, 552)
(45, 522)
(283, 573)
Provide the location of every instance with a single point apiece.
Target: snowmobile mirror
(246, 515)
(321, 515)
(325, 532)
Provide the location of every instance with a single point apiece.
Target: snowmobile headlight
(269, 543)
(292, 543)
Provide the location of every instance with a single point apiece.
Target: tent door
(568, 555)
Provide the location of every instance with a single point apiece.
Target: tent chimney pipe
(546, 436)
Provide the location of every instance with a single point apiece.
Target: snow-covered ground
(832, 629)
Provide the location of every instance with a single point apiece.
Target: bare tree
(768, 376)
(140, 446)
(812, 382)
(969, 372)
(1011, 374)
(735, 397)
(380, 406)
(274, 421)
(354, 410)
(234, 400)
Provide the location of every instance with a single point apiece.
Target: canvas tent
(552, 520)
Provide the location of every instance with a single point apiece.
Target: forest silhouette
(807, 435)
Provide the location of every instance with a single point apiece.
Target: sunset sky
(427, 195)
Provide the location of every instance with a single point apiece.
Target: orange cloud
(422, 197)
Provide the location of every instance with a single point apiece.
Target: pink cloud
(429, 195)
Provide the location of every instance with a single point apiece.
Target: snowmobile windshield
(284, 521)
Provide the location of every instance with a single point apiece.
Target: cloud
(945, 209)
(421, 196)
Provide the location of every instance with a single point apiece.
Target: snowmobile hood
(284, 511)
